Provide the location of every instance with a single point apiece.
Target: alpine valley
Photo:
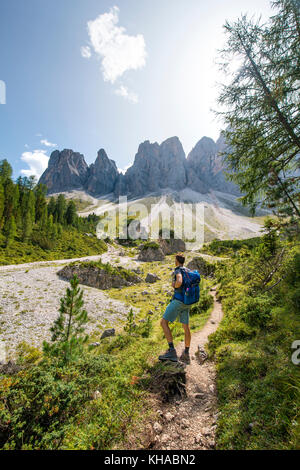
(162, 177)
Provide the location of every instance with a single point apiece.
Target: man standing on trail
(176, 308)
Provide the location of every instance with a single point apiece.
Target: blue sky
(144, 71)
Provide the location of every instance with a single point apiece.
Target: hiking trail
(189, 423)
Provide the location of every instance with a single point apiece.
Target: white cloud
(47, 143)
(117, 50)
(37, 162)
(128, 95)
(86, 52)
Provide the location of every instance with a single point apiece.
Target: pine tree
(40, 200)
(5, 171)
(27, 227)
(262, 111)
(60, 209)
(51, 206)
(68, 335)
(2, 200)
(130, 325)
(44, 217)
(31, 206)
(71, 214)
(10, 230)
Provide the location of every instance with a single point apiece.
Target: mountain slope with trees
(34, 229)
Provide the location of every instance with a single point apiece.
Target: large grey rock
(151, 278)
(172, 245)
(103, 175)
(94, 276)
(108, 333)
(151, 254)
(66, 170)
(202, 266)
(206, 167)
(155, 167)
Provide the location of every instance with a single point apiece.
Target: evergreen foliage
(68, 335)
(32, 228)
(262, 112)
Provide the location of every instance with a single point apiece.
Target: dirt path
(190, 423)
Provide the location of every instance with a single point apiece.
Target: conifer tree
(60, 209)
(27, 227)
(31, 206)
(10, 230)
(68, 330)
(5, 170)
(44, 217)
(71, 214)
(130, 325)
(1, 204)
(261, 108)
(51, 206)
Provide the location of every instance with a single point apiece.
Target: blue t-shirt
(178, 292)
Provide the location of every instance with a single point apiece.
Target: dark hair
(180, 258)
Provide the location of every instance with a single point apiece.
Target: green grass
(115, 369)
(258, 385)
(71, 244)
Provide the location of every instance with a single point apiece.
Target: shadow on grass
(165, 379)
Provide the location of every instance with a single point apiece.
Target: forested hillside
(34, 229)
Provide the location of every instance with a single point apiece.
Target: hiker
(177, 308)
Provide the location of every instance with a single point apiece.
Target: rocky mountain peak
(102, 175)
(156, 167)
(66, 170)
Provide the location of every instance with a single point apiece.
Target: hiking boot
(170, 355)
(185, 357)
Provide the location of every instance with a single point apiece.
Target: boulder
(100, 276)
(152, 278)
(151, 252)
(172, 245)
(204, 268)
(108, 333)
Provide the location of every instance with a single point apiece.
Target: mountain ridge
(156, 167)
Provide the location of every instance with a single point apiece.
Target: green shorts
(177, 309)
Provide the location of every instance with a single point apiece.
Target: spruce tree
(2, 198)
(51, 206)
(71, 214)
(5, 170)
(60, 209)
(261, 108)
(68, 330)
(27, 227)
(130, 325)
(10, 230)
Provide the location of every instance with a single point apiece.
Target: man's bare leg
(165, 326)
(185, 356)
(170, 355)
(187, 335)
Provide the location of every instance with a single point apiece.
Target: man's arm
(178, 281)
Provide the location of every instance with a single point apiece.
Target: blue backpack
(191, 286)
